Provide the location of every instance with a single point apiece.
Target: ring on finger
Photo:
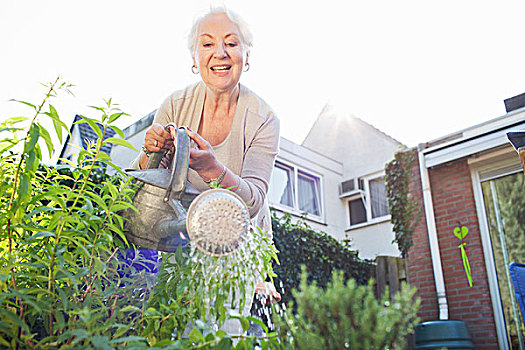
(156, 143)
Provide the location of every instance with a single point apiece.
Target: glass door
(504, 199)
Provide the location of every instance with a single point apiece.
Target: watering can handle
(156, 157)
(179, 165)
(154, 160)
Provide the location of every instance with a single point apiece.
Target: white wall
(373, 240)
(333, 219)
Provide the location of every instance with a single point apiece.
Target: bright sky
(416, 70)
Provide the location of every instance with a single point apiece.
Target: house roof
(475, 139)
(85, 134)
(139, 125)
(360, 147)
(327, 110)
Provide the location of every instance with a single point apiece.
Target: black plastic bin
(447, 334)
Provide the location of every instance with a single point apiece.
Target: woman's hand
(202, 158)
(268, 292)
(158, 139)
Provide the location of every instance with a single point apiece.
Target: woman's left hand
(268, 292)
(202, 158)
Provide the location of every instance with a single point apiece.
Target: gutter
(432, 238)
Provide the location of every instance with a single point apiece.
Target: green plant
(63, 282)
(320, 253)
(404, 211)
(347, 316)
(60, 268)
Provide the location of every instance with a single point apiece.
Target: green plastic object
(448, 334)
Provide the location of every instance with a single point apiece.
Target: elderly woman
(235, 132)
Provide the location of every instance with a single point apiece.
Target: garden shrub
(63, 283)
(298, 244)
(347, 316)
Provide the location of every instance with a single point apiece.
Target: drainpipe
(432, 238)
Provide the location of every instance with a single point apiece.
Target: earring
(246, 67)
(194, 69)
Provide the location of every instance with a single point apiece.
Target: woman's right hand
(158, 139)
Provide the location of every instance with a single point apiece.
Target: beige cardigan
(249, 150)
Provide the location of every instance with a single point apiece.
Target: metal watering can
(216, 222)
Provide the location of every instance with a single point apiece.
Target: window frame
(318, 178)
(365, 196)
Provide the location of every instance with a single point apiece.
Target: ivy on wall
(403, 210)
(321, 254)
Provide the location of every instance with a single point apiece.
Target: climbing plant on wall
(403, 210)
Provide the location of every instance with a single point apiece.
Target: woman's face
(219, 53)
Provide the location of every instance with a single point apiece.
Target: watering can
(216, 222)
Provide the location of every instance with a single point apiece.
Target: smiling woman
(237, 133)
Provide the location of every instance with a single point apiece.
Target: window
(357, 211)
(296, 189)
(308, 193)
(369, 204)
(281, 186)
(378, 200)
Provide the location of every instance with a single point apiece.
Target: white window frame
(295, 195)
(366, 198)
(477, 167)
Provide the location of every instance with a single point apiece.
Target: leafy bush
(347, 316)
(64, 282)
(321, 254)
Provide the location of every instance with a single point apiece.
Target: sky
(416, 70)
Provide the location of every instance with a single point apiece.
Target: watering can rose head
(217, 221)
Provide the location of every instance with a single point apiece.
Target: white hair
(246, 34)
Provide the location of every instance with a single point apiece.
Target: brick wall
(454, 205)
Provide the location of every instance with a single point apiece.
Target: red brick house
(472, 178)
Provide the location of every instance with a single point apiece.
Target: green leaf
(32, 139)
(57, 123)
(115, 116)
(47, 138)
(130, 308)
(196, 336)
(129, 339)
(92, 123)
(7, 145)
(88, 206)
(25, 103)
(101, 342)
(120, 142)
(41, 234)
(23, 186)
(67, 161)
(259, 322)
(14, 120)
(14, 317)
(118, 131)
(225, 344)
